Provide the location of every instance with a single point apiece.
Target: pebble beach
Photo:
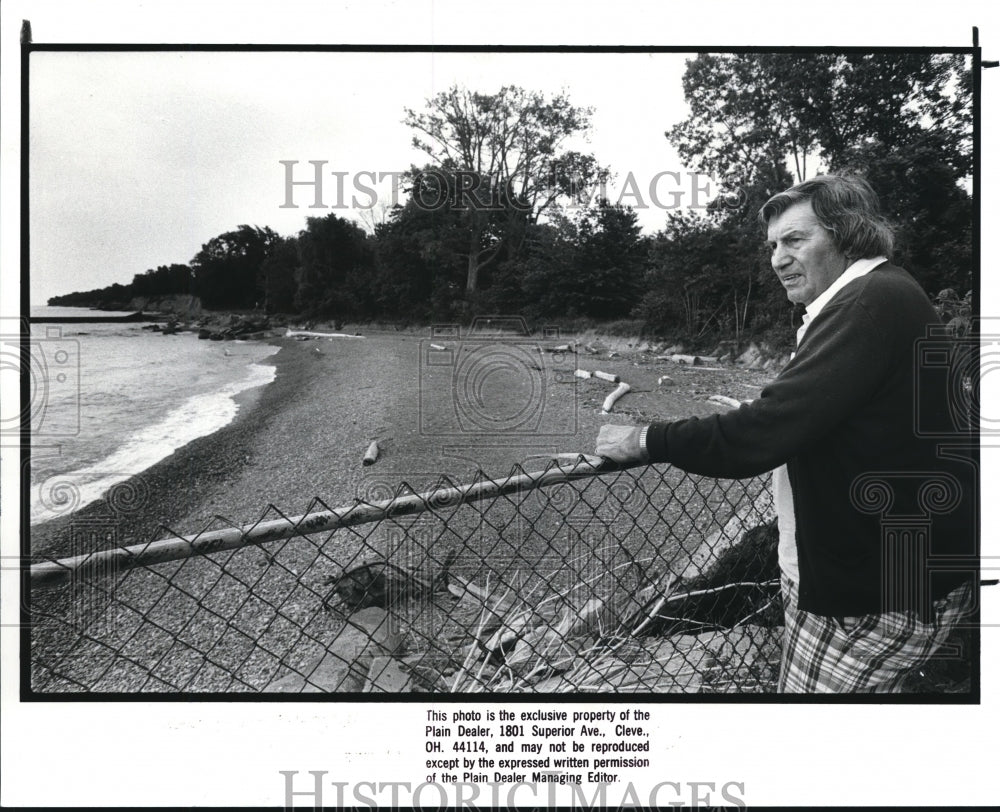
(303, 436)
(297, 445)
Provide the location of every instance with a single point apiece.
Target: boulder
(386, 676)
(347, 663)
(751, 358)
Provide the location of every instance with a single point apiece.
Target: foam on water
(204, 396)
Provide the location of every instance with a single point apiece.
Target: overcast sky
(137, 159)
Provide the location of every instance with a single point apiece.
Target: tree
(419, 272)
(227, 268)
(610, 261)
(901, 119)
(754, 114)
(279, 272)
(335, 268)
(164, 280)
(749, 115)
(504, 161)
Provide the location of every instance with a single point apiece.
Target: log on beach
(371, 455)
(290, 333)
(611, 399)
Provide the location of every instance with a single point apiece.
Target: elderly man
(839, 419)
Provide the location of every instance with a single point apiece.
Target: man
(862, 606)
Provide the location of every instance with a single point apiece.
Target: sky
(137, 159)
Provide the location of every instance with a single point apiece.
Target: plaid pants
(865, 654)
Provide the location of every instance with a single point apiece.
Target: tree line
(512, 229)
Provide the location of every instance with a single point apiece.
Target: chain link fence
(566, 580)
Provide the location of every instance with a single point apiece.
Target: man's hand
(621, 444)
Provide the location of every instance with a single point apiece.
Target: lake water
(110, 400)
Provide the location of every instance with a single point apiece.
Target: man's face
(803, 253)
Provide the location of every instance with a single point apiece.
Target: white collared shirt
(788, 558)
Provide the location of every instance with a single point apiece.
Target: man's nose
(780, 258)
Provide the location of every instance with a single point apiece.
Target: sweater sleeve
(836, 370)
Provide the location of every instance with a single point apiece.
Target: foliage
(504, 163)
(279, 274)
(903, 120)
(227, 268)
(335, 268)
(165, 280)
(418, 268)
(703, 278)
(955, 312)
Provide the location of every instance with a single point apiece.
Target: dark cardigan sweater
(841, 409)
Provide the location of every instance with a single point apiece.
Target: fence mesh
(564, 580)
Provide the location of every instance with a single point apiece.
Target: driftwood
(371, 455)
(290, 333)
(610, 400)
(558, 643)
(606, 376)
(492, 609)
(725, 401)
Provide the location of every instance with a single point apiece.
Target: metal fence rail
(570, 579)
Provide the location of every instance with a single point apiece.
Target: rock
(777, 363)
(751, 358)
(386, 676)
(725, 351)
(544, 647)
(713, 661)
(594, 617)
(347, 662)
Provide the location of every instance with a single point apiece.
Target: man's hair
(846, 206)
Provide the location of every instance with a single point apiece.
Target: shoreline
(301, 437)
(168, 492)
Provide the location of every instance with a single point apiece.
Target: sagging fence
(572, 579)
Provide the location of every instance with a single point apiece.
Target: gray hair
(846, 206)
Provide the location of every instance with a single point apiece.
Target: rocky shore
(303, 437)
